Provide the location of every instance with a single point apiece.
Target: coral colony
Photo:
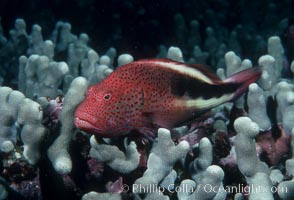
(239, 150)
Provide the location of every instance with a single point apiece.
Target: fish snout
(89, 123)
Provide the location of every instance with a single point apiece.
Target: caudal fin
(244, 79)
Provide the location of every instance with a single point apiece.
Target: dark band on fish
(194, 88)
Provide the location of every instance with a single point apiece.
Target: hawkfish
(145, 95)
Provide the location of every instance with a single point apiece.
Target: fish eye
(107, 96)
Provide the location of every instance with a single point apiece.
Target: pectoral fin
(167, 119)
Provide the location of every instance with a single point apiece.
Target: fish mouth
(85, 125)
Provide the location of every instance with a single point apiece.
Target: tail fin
(244, 79)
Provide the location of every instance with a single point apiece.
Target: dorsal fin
(204, 69)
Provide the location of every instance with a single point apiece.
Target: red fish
(148, 94)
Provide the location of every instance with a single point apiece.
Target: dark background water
(137, 26)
